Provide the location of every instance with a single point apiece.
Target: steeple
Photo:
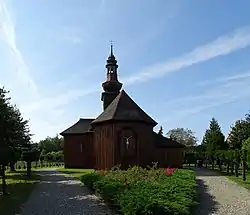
(111, 86)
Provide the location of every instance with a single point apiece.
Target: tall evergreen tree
(214, 139)
(14, 132)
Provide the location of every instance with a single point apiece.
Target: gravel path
(59, 194)
(220, 196)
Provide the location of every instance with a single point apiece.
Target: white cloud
(55, 106)
(73, 35)
(225, 79)
(222, 90)
(8, 36)
(223, 45)
(53, 103)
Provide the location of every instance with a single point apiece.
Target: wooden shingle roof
(80, 127)
(165, 142)
(123, 108)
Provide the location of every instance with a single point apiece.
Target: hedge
(139, 191)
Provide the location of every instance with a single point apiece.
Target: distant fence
(38, 164)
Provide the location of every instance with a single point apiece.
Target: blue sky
(182, 62)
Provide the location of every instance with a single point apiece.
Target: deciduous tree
(239, 133)
(184, 136)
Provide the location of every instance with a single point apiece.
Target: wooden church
(121, 135)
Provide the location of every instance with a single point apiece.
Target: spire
(111, 49)
(111, 59)
(111, 86)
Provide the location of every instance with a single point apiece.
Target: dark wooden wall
(104, 146)
(169, 157)
(73, 156)
(143, 141)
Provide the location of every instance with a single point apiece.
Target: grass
(19, 187)
(232, 177)
(237, 180)
(76, 173)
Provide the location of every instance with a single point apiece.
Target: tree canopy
(14, 133)
(184, 136)
(214, 139)
(239, 132)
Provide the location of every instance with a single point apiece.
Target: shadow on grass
(22, 176)
(19, 191)
(207, 204)
(74, 172)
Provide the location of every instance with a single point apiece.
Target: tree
(51, 144)
(213, 140)
(239, 132)
(184, 136)
(160, 131)
(245, 156)
(30, 154)
(19, 137)
(5, 127)
(14, 133)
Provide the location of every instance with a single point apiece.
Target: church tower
(111, 86)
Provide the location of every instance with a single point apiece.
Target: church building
(121, 135)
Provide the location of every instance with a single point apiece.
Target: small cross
(111, 42)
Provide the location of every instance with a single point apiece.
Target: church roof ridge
(123, 108)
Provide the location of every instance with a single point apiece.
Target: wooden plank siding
(104, 144)
(74, 157)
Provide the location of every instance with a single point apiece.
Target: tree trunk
(12, 166)
(212, 164)
(228, 167)
(236, 170)
(4, 190)
(232, 168)
(244, 170)
(29, 168)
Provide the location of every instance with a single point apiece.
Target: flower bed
(139, 191)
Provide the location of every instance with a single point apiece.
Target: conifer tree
(213, 140)
(14, 133)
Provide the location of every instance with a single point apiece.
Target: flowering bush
(169, 171)
(138, 191)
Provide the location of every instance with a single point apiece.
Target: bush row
(138, 191)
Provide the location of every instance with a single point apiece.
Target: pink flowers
(169, 171)
(103, 172)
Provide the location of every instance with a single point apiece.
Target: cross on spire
(111, 48)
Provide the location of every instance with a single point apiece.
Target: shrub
(139, 191)
(90, 179)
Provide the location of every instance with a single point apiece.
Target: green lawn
(77, 173)
(19, 187)
(239, 180)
